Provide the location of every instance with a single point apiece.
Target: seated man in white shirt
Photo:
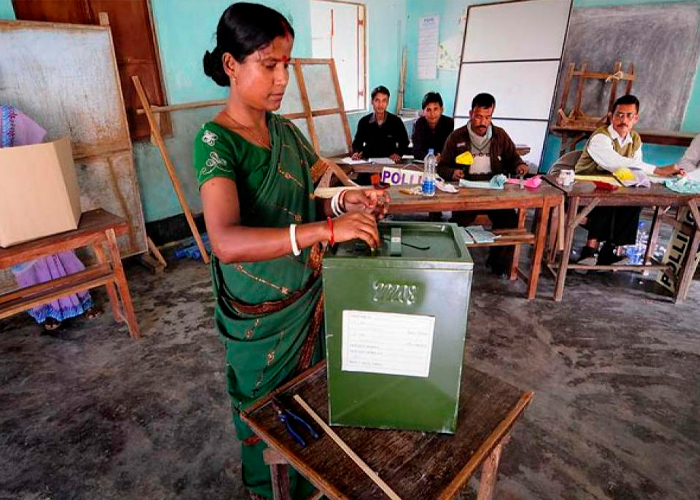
(691, 159)
(608, 149)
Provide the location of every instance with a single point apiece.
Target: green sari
(268, 314)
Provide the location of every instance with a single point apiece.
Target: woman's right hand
(356, 225)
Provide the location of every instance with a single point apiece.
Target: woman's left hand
(375, 201)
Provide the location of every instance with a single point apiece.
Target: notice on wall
(387, 343)
(428, 35)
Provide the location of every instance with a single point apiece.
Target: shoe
(608, 257)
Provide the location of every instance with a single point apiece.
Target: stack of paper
(481, 235)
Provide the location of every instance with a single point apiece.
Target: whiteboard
(526, 132)
(521, 132)
(522, 89)
(531, 29)
(513, 51)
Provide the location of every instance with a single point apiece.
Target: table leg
(122, 285)
(538, 251)
(568, 242)
(489, 473)
(111, 290)
(516, 248)
(683, 286)
(553, 236)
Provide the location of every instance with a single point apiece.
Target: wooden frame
(106, 152)
(578, 118)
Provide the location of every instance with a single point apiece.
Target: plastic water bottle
(636, 252)
(430, 162)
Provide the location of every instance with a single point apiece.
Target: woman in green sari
(256, 173)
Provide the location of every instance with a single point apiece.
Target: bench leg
(489, 472)
(122, 285)
(111, 290)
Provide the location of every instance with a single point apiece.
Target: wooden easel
(576, 125)
(308, 113)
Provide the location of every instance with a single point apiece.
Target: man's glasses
(621, 116)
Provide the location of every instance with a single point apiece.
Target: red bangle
(330, 226)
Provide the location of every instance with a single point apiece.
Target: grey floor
(90, 414)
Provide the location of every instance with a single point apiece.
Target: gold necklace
(254, 134)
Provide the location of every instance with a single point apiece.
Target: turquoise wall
(185, 29)
(6, 10)
(446, 83)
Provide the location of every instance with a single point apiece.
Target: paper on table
(602, 178)
(382, 161)
(349, 161)
(387, 343)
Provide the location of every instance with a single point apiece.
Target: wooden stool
(416, 465)
(97, 228)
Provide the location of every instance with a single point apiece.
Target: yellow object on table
(465, 158)
(624, 174)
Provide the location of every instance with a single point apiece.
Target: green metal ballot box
(396, 322)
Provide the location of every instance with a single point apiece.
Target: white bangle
(293, 239)
(335, 205)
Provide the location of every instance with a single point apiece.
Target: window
(338, 32)
(134, 46)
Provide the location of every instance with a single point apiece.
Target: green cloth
(586, 165)
(262, 350)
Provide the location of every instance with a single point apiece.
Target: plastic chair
(567, 161)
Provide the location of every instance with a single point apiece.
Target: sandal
(51, 324)
(93, 312)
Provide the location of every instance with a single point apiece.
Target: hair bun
(214, 67)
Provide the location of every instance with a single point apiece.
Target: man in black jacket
(380, 134)
(433, 128)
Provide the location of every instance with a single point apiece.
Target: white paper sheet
(387, 343)
(428, 34)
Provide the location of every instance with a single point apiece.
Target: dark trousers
(615, 225)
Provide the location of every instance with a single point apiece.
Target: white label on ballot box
(387, 343)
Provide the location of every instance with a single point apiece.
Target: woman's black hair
(243, 29)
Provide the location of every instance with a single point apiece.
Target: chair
(567, 161)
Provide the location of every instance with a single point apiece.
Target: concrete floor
(90, 414)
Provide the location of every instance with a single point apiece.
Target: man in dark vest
(608, 149)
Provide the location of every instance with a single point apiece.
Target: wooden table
(96, 228)
(584, 195)
(543, 199)
(416, 465)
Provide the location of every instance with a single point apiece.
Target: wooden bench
(96, 228)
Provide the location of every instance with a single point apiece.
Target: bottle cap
(431, 151)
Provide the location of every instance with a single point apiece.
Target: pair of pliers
(292, 420)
